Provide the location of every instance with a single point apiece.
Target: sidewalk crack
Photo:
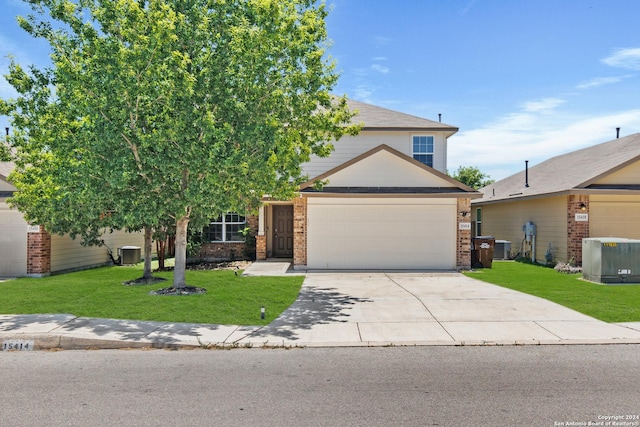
(421, 302)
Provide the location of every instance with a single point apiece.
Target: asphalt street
(381, 386)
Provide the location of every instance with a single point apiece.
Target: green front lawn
(230, 299)
(611, 303)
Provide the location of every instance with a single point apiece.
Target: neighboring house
(387, 202)
(592, 192)
(28, 250)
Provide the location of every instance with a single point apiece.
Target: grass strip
(230, 299)
(610, 303)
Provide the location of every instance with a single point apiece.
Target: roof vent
(617, 133)
(526, 173)
(440, 117)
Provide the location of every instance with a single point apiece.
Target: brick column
(463, 240)
(38, 252)
(300, 231)
(261, 248)
(576, 230)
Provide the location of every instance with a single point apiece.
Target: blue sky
(522, 79)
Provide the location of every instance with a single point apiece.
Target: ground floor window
(478, 222)
(225, 228)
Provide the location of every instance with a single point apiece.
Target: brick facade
(39, 253)
(230, 251)
(576, 230)
(261, 247)
(463, 239)
(300, 231)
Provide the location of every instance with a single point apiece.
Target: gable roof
(404, 174)
(5, 169)
(574, 172)
(378, 118)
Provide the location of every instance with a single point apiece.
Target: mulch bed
(187, 290)
(213, 265)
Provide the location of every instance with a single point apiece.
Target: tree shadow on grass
(314, 306)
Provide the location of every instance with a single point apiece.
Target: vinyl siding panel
(350, 147)
(69, 254)
(384, 169)
(5, 186)
(13, 242)
(629, 175)
(504, 221)
(614, 216)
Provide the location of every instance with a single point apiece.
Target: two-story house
(387, 202)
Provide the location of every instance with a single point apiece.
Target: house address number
(464, 226)
(17, 345)
(33, 228)
(582, 217)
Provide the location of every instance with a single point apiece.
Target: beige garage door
(13, 242)
(381, 233)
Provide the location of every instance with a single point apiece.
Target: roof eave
(456, 195)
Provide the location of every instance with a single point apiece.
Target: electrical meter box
(529, 229)
(611, 260)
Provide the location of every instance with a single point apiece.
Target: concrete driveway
(403, 308)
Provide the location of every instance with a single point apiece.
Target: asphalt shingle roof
(572, 171)
(378, 118)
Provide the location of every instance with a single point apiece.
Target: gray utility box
(611, 260)
(129, 255)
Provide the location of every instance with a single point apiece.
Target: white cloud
(363, 93)
(380, 58)
(379, 68)
(628, 58)
(382, 41)
(501, 147)
(601, 81)
(542, 105)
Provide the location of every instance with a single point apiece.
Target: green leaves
(472, 177)
(165, 109)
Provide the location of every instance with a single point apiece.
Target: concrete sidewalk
(347, 309)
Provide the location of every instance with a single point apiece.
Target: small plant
(567, 268)
(249, 243)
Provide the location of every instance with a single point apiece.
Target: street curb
(53, 342)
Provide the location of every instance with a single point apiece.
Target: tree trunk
(161, 249)
(148, 234)
(179, 280)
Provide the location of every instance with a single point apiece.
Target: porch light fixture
(464, 213)
(583, 207)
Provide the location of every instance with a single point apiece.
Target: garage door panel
(374, 234)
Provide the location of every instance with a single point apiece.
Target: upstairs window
(423, 149)
(225, 228)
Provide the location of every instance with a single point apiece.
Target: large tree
(472, 176)
(170, 108)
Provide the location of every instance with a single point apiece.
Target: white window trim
(432, 153)
(224, 224)
(478, 210)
